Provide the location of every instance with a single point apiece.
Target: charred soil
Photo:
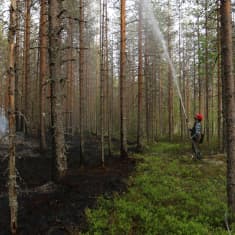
(46, 207)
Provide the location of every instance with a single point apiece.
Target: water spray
(153, 22)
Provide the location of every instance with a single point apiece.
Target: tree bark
(140, 83)
(170, 81)
(43, 72)
(219, 82)
(12, 186)
(228, 95)
(102, 81)
(200, 92)
(57, 87)
(70, 82)
(17, 68)
(109, 83)
(26, 64)
(123, 116)
(207, 127)
(81, 79)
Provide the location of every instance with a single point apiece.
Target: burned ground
(49, 208)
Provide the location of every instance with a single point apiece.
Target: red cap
(199, 116)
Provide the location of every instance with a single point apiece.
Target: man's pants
(196, 149)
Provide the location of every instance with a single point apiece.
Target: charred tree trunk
(228, 95)
(43, 72)
(57, 87)
(123, 116)
(12, 186)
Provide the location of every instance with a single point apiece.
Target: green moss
(169, 194)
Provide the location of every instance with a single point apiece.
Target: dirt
(49, 208)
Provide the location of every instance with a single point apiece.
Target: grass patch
(169, 194)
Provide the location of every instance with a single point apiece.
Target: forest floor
(169, 194)
(162, 191)
(48, 208)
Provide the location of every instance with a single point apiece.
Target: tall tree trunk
(140, 83)
(43, 72)
(102, 81)
(228, 95)
(180, 74)
(57, 87)
(207, 127)
(123, 116)
(200, 92)
(81, 79)
(152, 96)
(17, 68)
(26, 64)
(219, 83)
(160, 103)
(69, 95)
(194, 79)
(109, 83)
(170, 78)
(12, 191)
(147, 80)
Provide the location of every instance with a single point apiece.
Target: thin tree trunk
(43, 72)
(102, 82)
(219, 84)
(26, 64)
(170, 86)
(200, 93)
(12, 186)
(160, 103)
(81, 79)
(180, 75)
(123, 116)
(69, 96)
(17, 68)
(108, 79)
(140, 83)
(194, 79)
(207, 127)
(228, 95)
(146, 76)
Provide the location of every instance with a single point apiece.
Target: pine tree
(12, 185)
(229, 97)
(56, 88)
(123, 115)
(43, 72)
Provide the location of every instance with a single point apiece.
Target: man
(196, 135)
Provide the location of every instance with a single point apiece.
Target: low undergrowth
(168, 194)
